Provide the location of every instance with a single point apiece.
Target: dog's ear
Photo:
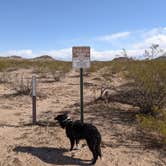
(66, 113)
(61, 116)
(56, 118)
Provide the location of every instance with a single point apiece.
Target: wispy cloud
(25, 53)
(154, 36)
(139, 39)
(111, 54)
(114, 36)
(159, 39)
(62, 54)
(134, 42)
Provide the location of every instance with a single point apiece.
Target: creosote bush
(4, 77)
(20, 85)
(41, 67)
(149, 84)
(56, 68)
(154, 123)
(146, 88)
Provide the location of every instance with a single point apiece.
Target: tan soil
(22, 144)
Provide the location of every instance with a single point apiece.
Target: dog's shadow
(51, 155)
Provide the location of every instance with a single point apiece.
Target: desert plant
(149, 84)
(155, 124)
(146, 86)
(5, 77)
(57, 75)
(21, 86)
(153, 51)
(58, 70)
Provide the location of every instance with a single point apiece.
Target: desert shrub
(20, 85)
(155, 124)
(41, 70)
(5, 77)
(118, 67)
(58, 69)
(113, 65)
(57, 75)
(9, 64)
(149, 84)
(146, 85)
(4, 65)
(26, 63)
(96, 66)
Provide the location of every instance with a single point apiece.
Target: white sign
(81, 57)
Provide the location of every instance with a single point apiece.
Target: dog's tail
(98, 147)
(98, 150)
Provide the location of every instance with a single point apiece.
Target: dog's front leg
(71, 143)
(77, 144)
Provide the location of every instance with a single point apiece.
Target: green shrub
(58, 69)
(155, 124)
(149, 84)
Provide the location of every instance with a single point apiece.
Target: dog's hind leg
(95, 156)
(93, 150)
(72, 141)
(98, 150)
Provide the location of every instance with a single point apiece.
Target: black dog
(75, 130)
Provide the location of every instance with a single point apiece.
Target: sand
(24, 144)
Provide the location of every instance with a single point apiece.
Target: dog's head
(63, 119)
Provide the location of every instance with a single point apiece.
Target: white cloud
(139, 39)
(66, 54)
(62, 54)
(114, 36)
(158, 38)
(26, 53)
(111, 54)
(103, 55)
(135, 43)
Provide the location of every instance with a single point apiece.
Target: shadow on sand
(51, 155)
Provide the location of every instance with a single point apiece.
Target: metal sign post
(33, 99)
(81, 96)
(81, 60)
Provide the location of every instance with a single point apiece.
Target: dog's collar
(67, 119)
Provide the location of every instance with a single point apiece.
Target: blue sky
(31, 28)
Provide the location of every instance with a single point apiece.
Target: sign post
(33, 99)
(81, 60)
(81, 96)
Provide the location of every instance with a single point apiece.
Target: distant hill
(44, 58)
(14, 57)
